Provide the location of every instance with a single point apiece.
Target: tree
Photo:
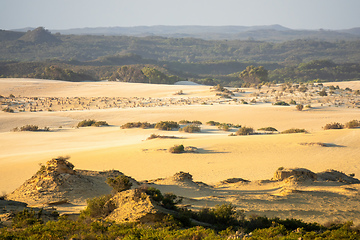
(254, 74)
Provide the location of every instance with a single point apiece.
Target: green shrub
(91, 122)
(137, 125)
(26, 218)
(281, 103)
(245, 131)
(224, 127)
(268, 129)
(166, 125)
(190, 122)
(190, 128)
(100, 123)
(352, 124)
(220, 215)
(213, 123)
(293, 102)
(334, 125)
(9, 110)
(98, 207)
(294, 130)
(86, 123)
(177, 149)
(32, 128)
(120, 183)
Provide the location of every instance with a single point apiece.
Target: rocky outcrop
(334, 175)
(300, 174)
(182, 176)
(57, 181)
(135, 205)
(295, 173)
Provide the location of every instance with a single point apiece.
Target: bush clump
(190, 128)
(26, 218)
(137, 125)
(334, 125)
(245, 131)
(167, 200)
(294, 130)
(177, 149)
(190, 122)
(352, 124)
(299, 107)
(281, 103)
(30, 128)
(9, 110)
(166, 125)
(120, 183)
(92, 123)
(98, 207)
(213, 123)
(268, 129)
(224, 127)
(153, 136)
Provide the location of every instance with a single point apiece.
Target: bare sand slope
(54, 88)
(219, 156)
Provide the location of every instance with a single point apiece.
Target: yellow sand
(220, 156)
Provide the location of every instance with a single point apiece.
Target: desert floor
(61, 105)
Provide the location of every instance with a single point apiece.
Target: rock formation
(57, 181)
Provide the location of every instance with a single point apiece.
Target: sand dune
(219, 156)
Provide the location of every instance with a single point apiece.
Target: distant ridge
(272, 33)
(39, 35)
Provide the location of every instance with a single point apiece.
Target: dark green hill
(39, 35)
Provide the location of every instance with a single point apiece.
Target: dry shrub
(352, 124)
(177, 149)
(294, 130)
(245, 131)
(190, 128)
(334, 125)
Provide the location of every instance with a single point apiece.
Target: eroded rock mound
(136, 206)
(57, 181)
(234, 180)
(295, 173)
(182, 176)
(334, 175)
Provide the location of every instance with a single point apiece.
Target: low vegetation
(177, 149)
(268, 129)
(31, 128)
(190, 122)
(153, 136)
(8, 110)
(190, 128)
(166, 125)
(98, 207)
(334, 125)
(352, 124)
(245, 131)
(281, 103)
(119, 183)
(294, 130)
(223, 222)
(137, 125)
(91, 123)
(299, 107)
